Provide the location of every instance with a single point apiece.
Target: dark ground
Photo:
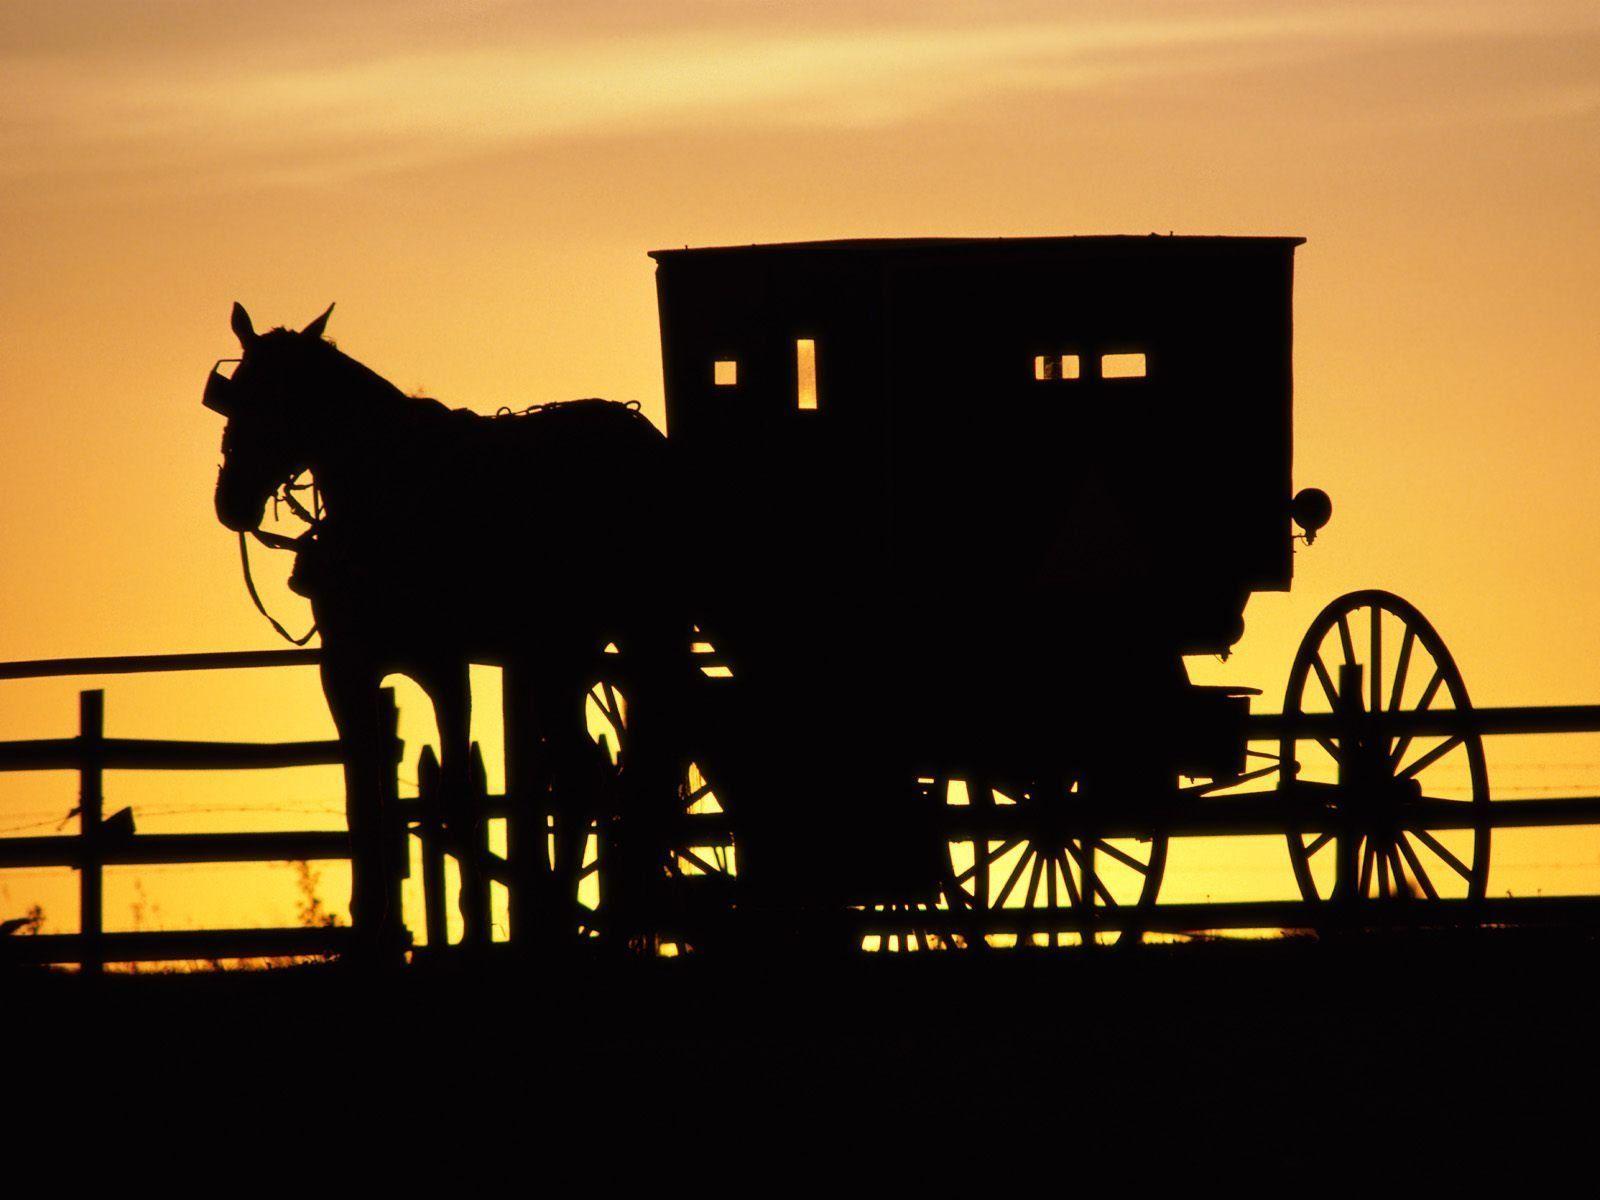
(1452, 1051)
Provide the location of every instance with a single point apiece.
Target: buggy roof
(958, 246)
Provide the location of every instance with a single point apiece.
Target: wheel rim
(1417, 807)
(1022, 858)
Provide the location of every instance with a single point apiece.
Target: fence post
(1347, 882)
(91, 804)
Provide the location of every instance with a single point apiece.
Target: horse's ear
(242, 328)
(315, 329)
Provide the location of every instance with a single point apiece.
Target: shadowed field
(1276, 1050)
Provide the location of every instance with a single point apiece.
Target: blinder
(219, 388)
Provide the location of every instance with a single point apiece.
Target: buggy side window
(805, 373)
(1122, 366)
(1056, 366)
(725, 372)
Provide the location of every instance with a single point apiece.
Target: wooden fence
(103, 841)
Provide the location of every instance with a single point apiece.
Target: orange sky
(476, 185)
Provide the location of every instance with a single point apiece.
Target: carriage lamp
(1310, 510)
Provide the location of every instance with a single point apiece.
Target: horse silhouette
(444, 538)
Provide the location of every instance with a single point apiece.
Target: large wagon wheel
(1414, 810)
(1021, 854)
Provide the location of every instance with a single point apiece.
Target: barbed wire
(169, 810)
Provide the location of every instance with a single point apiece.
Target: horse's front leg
(351, 688)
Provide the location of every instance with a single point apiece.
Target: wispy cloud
(256, 109)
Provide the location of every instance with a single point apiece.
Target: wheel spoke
(1033, 880)
(1092, 878)
(1423, 881)
(1383, 870)
(1438, 847)
(1428, 694)
(1050, 898)
(1375, 671)
(1322, 840)
(1123, 857)
(1345, 642)
(1016, 874)
(1397, 872)
(1072, 888)
(1104, 893)
(1432, 756)
(1325, 679)
(688, 852)
(1366, 869)
(989, 858)
(1399, 688)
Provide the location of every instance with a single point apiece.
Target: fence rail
(167, 849)
(140, 754)
(140, 664)
(1441, 722)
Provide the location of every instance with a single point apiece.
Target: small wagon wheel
(1019, 855)
(1414, 810)
(918, 925)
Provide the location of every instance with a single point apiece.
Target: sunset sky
(476, 185)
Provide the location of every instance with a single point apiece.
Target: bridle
(277, 541)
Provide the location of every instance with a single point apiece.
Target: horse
(530, 540)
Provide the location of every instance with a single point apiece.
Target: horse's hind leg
(568, 778)
(449, 687)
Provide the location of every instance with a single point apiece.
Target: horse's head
(271, 401)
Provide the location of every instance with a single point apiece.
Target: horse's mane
(352, 378)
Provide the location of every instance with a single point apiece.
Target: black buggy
(960, 507)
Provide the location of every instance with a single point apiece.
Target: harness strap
(276, 541)
(250, 584)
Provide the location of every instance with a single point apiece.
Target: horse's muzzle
(240, 514)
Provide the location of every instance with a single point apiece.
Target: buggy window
(1122, 366)
(1056, 366)
(805, 373)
